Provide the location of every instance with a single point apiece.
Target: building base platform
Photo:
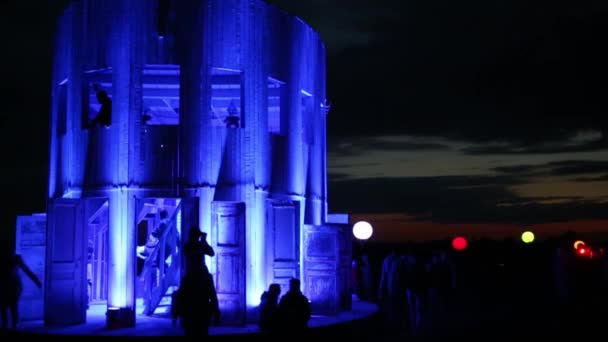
(149, 326)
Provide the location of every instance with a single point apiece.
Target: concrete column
(255, 149)
(126, 63)
(294, 173)
(189, 45)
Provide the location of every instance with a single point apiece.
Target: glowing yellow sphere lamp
(527, 237)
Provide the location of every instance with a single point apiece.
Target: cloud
(477, 72)
(458, 200)
(557, 168)
(354, 146)
(601, 178)
(415, 195)
(336, 176)
(575, 167)
(590, 141)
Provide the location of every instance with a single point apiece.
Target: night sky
(476, 117)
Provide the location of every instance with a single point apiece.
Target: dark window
(226, 98)
(274, 106)
(163, 17)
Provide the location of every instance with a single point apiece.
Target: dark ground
(502, 294)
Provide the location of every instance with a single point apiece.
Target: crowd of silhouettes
(506, 285)
(419, 289)
(411, 287)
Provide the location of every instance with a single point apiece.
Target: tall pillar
(321, 109)
(71, 143)
(255, 146)
(126, 61)
(195, 156)
(314, 186)
(295, 181)
(121, 270)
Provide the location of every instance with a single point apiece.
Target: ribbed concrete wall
(120, 44)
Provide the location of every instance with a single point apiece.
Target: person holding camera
(195, 250)
(195, 302)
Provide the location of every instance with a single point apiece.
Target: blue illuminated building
(218, 116)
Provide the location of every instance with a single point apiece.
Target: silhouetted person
(392, 293)
(269, 303)
(294, 309)
(104, 116)
(195, 250)
(367, 290)
(232, 119)
(154, 238)
(561, 268)
(146, 118)
(195, 302)
(355, 275)
(164, 223)
(11, 286)
(418, 292)
(441, 283)
(161, 230)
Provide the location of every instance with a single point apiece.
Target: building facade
(216, 115)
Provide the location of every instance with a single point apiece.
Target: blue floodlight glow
(256, 259)
(118, 278)
(166, 140)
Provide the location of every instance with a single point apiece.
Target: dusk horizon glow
(499, 122)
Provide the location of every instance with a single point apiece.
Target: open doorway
(160, 223)
(158, 234)
(77, 230)
(97, 224)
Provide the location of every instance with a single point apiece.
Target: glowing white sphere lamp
(362, 230)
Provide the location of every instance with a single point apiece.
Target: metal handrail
(166, 276)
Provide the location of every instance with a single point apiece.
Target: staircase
(163, 309)
(162, 278)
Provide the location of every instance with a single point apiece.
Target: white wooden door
(284, 232)
(66, 291)
(228, 237)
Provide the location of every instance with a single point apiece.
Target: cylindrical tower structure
(221, 101)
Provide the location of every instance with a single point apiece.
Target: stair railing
(157, 275)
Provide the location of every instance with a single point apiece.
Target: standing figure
(294, 309)
(104, 116)
(195, 302)
(154, 238)
(269, 307)
(195, 250)
(392, 294)
(11, 286)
